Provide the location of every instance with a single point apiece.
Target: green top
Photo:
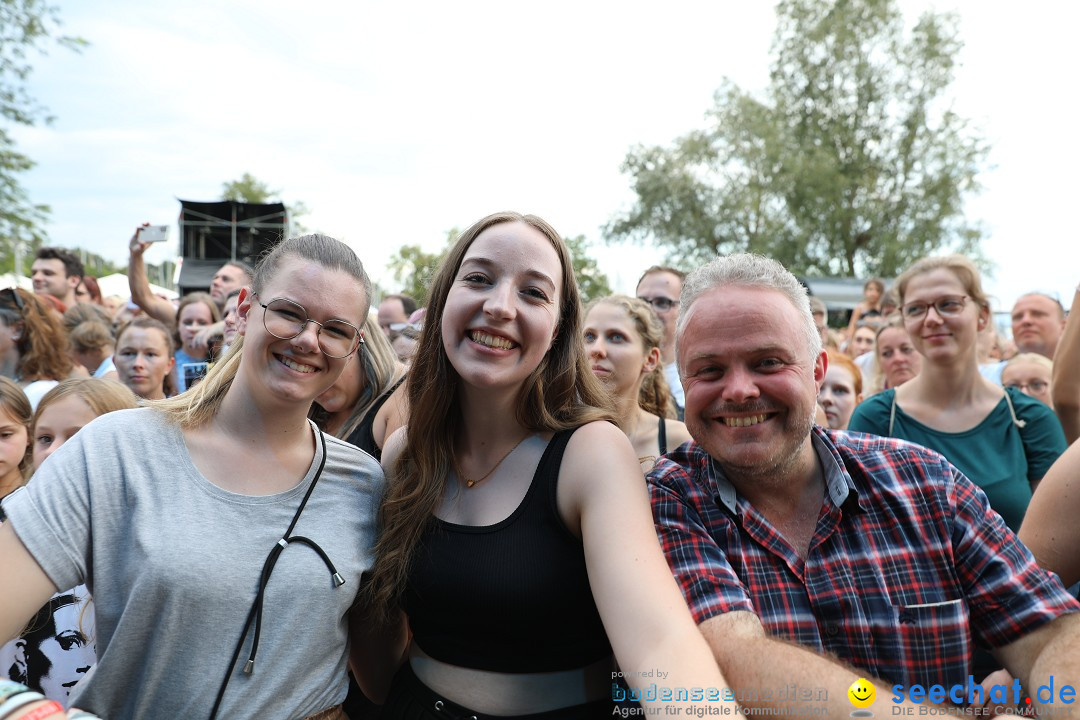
(1001, 458)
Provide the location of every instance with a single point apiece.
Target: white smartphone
(154, 233)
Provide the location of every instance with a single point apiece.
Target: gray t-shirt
(173, 563)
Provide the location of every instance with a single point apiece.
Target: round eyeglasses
(285, 319)
(1035, 386)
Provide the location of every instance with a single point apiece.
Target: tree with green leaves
(853, 162)
(249, 189)
(414, 267)
(27, 28)
(591, 282)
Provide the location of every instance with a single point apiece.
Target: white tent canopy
(12, 280)
(117, 284)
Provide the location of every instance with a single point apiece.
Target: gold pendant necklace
(469, 483)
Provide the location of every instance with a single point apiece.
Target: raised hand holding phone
(145, 235)
(153, 233)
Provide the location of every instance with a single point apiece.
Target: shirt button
(832, 629)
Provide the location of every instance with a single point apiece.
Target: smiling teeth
(744, 421)
(491, 340)
(296, 366)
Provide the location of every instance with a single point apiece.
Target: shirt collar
(838, 482)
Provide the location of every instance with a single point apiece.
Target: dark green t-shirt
(1001, 458)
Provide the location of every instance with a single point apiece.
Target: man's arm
(1046, 657)
(139, 285)
(755, 664)
(1051, 529)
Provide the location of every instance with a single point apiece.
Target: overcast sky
(395, 122)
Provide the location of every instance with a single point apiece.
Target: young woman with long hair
(33, 344)
(222, 535)
(516, 532)
(622, 337)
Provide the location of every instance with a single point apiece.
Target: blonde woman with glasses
(223, 536)
(1001, 439)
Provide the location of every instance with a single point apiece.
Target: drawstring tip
(249, 667)
(338, 580)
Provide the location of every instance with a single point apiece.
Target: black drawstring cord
(255, 613)
(249, 666)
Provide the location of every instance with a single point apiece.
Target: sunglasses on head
(16, 298)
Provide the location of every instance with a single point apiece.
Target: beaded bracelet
(9, 688)
(17, 701)
(41, 712)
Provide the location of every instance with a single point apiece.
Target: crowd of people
(280, 499)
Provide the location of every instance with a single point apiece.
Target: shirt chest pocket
(932, 642)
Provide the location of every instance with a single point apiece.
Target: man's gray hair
(752, 271)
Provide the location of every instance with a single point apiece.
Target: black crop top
(508, 597)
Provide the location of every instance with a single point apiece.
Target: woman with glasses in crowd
(33, 344)
(222, 535)
(1003, 440)
(516, 532)
(1031, 374)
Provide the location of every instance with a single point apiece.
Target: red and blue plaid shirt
(907, 561)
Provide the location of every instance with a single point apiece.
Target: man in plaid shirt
(804, 552)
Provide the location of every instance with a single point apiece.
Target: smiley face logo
(862, 693)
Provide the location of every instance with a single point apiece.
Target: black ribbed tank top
(508, 597)
(363, 436)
